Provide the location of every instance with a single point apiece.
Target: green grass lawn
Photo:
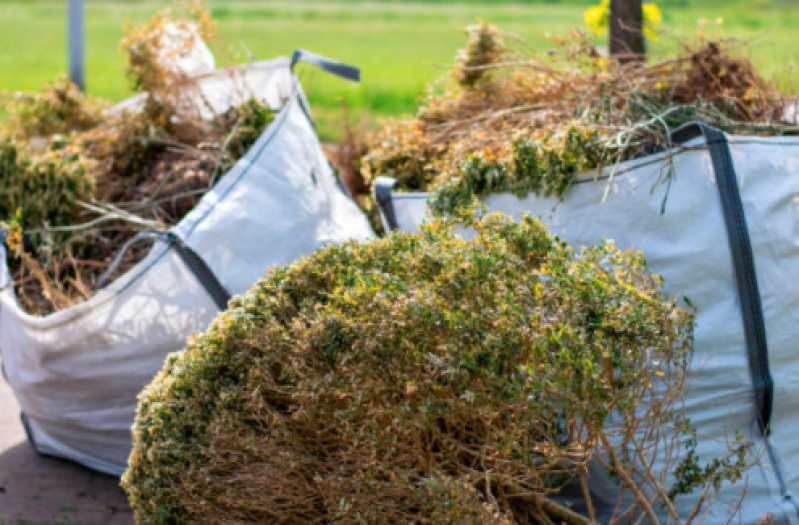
(399, 45)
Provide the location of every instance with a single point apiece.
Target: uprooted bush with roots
(426, 378)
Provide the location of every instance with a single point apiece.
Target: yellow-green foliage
(420, 378)
(60, 108)
(547, 166)
(251, 119)
(399, 150)
(45, 187)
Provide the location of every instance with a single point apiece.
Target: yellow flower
(652, 14)
(597, 17)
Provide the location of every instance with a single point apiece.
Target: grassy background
(399, 45)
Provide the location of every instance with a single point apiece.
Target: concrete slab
(36, 490)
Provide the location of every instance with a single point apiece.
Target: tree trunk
(626, 34)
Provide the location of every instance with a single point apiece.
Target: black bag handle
(338, 69)
(198, 267)
(743, 262)
(384, 187)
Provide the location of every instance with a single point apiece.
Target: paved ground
(35, 490)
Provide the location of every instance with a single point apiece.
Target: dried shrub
(153, 48)
(423, 378)
(154, 51)
(59, 109)
(484, 49)
(400, 150)
(43, 186)
(124, 145)
(345, 156)
(568, 111)
(729, 82)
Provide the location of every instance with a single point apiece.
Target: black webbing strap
(338, 69)
(189, 257)
(344, 71)
(383, 188)
(201, 271)
(193, 262)
(743, 262)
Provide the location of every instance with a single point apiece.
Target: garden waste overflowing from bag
(219, 168)
(81, 177)
(692, 161)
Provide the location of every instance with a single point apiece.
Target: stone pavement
(35, 490)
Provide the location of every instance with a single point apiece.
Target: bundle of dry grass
(424, 378)
(507, 119)
(78, 178)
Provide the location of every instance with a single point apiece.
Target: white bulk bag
(212, 93)
(76, 373)
(691, 233)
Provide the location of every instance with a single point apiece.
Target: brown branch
(625, 476)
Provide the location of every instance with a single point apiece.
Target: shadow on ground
(40, 490)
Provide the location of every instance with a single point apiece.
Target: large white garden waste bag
(723, 230)
(76, 373)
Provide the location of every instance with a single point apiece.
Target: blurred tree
(626, 30)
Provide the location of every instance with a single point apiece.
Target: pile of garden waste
(80, 177)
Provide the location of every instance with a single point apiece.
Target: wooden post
(626, 30)
(76, 37)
